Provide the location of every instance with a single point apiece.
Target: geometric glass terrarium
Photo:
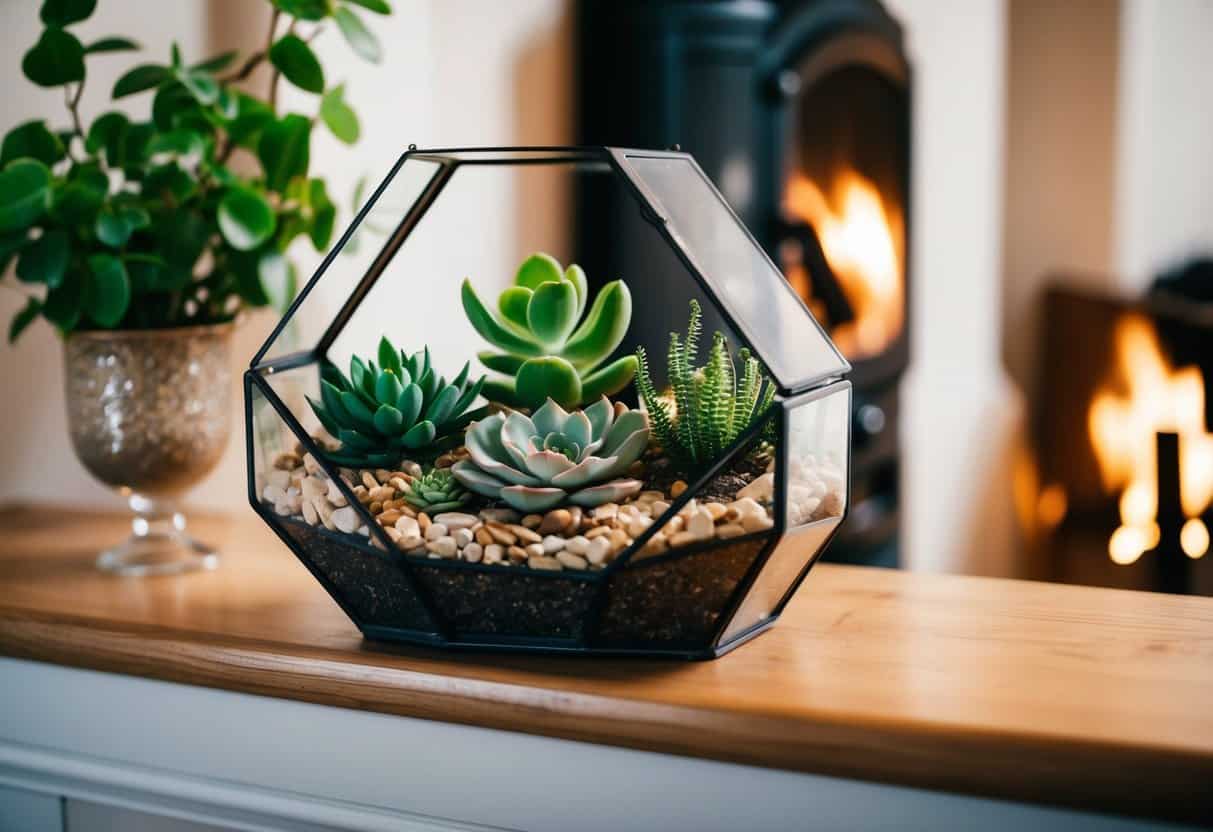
(472, 453)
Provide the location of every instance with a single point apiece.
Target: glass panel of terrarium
(757, 297)
(815, 459)
(297, 499)
(484, 223)
(349, 259)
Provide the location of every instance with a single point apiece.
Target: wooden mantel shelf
(1100, 699)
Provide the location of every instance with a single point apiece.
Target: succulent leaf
(609, 380)
(603, 329)
(551, 313)
(576, 275)
(388, 388)
(388, 419)
(437, 490)
(389, 359)
(536, 270)
(420, 435)
(550, 376)
(512, 304)
(489, 328)
(538, 462)
(501, 362)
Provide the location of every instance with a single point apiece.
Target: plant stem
(73, 106)
(255, 60)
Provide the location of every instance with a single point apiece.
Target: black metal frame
(443, 633)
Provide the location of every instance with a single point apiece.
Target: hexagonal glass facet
(700, 561)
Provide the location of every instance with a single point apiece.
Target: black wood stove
(799, 110)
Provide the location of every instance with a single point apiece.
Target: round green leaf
(361, 39)
(31, 140)
(169, 183)
(536, 270)
(512, 304)
(202, 86)
(56, 59)
(109, 290)
(246, 219)
(105, 132)
(283, 150)
(64, 304)
(112, 228)
(298, 63)
(25, 194)
(539, 378)
(142, 77)
(324, 215)
(145, 272)
(552, 312)
(376, 6)
(218, 63)
(63, 12)
(111, 45)
(180, 142)
(45, 259)
(338, 116)
(306, 9)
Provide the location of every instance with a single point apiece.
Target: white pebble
(598, 549)
(552, 544)
(745, 507)
(756, 522)
(578, 545)
(442, 546)
(701, 524)
(472, 552)
(335, 496)
(493, 553)
(273, 494)
(605, 511)
(637, 526)
(545, 562)
(729, 530)
(408, 526)
(325, 511)
(309, 513)
(762, 488)
(411, 543)
(660, 507)
(345, 519)
(456, 520)
(462, 537)
(364, 531)
(314, 487)
(279, 478)
(435, 531)
(534, 550)
(571, 561)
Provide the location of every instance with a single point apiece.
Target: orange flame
(863, 239)
(1122, 423)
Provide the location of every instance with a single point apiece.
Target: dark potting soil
(508, 601)
(660, 474)
(678, 600)
(372, 588)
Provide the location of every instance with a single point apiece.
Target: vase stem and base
(159, 544)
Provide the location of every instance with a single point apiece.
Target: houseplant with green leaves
(141, 239)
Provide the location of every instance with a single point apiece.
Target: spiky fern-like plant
(712, 405)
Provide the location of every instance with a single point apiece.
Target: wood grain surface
(1094, 698)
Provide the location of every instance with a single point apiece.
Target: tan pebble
(728, 530)
(282, 479)
(368, 480)
(405, 509)
(483, 537)
(435, 531)
(599, 549)
(649, 496)
(690, 508)
(677, 488)
(597, 531)
(619, 540)
(310, 515)
(717, 510)
(382, 493)
(524, 534)
(546, 563)
(553, 543)
(682, 539)
(660, 507)
(605, 511)
(570, 561)
(423, 520)
(383, 474)
(472, 552)
(411, 468)
(701, 524)
(637, 526)
(578, 545)
(443, 546)
(375, 507)
(499, 515)
(393, 533)
(516, 553)
(501, 534)
(399, 483)
(287, 461)
(361, 494)
(756, 522)
(413, 544)
(535, 550)
(408, 526)
(493, 553)
(675, 525)
(575, 517)
(334, 494)
(389, 518)
(325, 510)
(444, 461)
(552, 522)
(532, 521)
(655, 545)
(377, 543)
(463, 537)
(310, 464)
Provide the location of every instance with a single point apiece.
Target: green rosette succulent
(436, 491)
(545, 352)
(402, 407)
(534, 463)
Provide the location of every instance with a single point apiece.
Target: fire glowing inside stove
(1148, 396)
(862, 237)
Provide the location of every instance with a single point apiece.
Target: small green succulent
(545, 353)
(437, 490)
(537, 462)
(401, 407)
(711, 406)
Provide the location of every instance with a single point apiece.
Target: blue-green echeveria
(534, 463)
